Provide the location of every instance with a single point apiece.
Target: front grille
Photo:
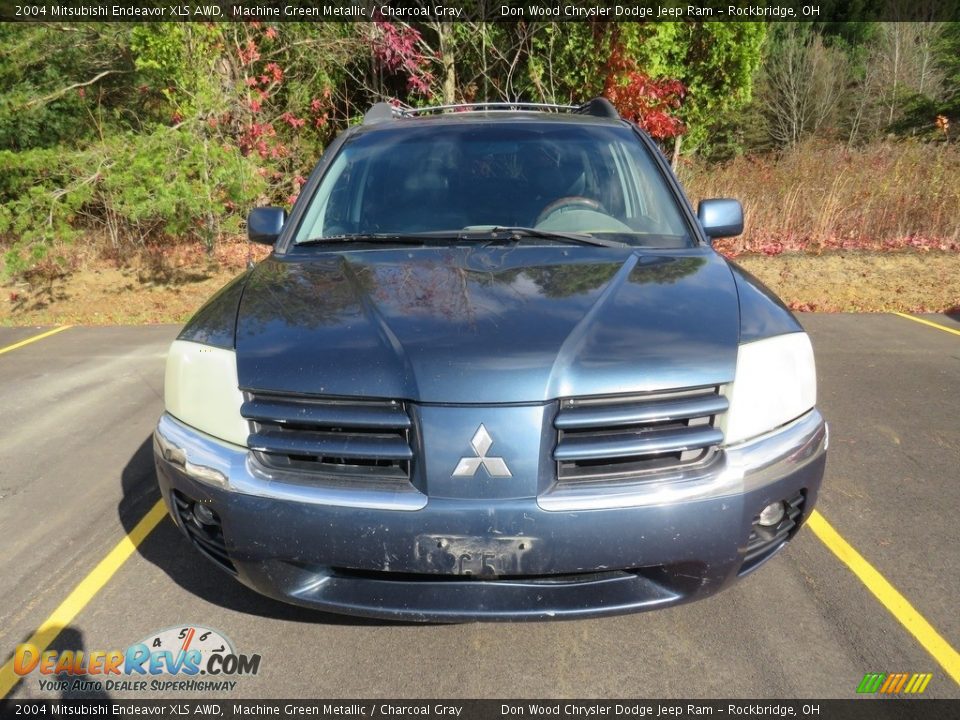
(764, 541)
(206, 537)
(360, 438)
(609, 438)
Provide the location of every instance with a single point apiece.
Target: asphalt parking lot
(76, 477)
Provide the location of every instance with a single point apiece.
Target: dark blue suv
(492, 369)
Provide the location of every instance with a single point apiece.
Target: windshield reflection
(449, 177)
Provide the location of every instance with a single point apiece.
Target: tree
(715, 62)
(802, 84)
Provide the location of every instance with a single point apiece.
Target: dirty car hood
(488, 325)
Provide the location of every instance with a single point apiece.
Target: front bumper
(579, 552)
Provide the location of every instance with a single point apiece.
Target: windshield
(456, 179)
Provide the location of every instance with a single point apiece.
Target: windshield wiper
(389, 238)
(490, 234)
(514, 232)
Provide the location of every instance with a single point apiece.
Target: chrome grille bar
(633, 443)
(617, 438)
(341, 445)
(359, 439)
(286, 412)
(639, 413)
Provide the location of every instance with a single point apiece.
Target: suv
(492, 369)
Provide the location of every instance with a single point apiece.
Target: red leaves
(261, 138)
(764, 242)
(649, 103)
(276, 72)
(293, 121)
(248, 53)
(266, 122)
(397, 49)
(317, 107)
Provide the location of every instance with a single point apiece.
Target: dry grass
(905, 281)
(155, 286)
(821, 197)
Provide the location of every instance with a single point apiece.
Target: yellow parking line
(938, 326)
(84, 592)
(29, 340)
(932, 641)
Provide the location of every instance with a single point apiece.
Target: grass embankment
(819, 198)
(827, 228)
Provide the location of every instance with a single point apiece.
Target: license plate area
(485, 557)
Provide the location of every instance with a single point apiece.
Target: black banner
(275, 11)
(854, 709)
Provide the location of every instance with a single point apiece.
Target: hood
(488, 325)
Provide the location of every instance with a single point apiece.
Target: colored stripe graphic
(894, 683)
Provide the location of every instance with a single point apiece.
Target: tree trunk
(676, 152)
(448, 59)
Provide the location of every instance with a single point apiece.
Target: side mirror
(264, 224)
(720, 217)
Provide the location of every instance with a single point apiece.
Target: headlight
(201, 390)
(776, 382)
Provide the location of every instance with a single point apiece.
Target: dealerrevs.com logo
(181, 658)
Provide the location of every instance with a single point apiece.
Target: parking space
(79, 407)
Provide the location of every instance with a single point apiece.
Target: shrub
(129, 187)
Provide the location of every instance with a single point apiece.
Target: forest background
(131, 153)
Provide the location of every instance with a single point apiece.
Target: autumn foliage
(151, 133)
(652, 104)
(398, 49)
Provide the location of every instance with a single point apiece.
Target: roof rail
(485, 107)
(383, 111)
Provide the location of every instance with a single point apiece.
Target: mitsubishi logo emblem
(468, 466)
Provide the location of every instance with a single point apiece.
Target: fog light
(205, 515)
(771, 515)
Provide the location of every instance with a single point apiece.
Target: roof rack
(384, 111)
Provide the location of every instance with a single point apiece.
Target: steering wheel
(570, 201)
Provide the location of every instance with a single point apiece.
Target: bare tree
(902, 61)
(802, 85)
